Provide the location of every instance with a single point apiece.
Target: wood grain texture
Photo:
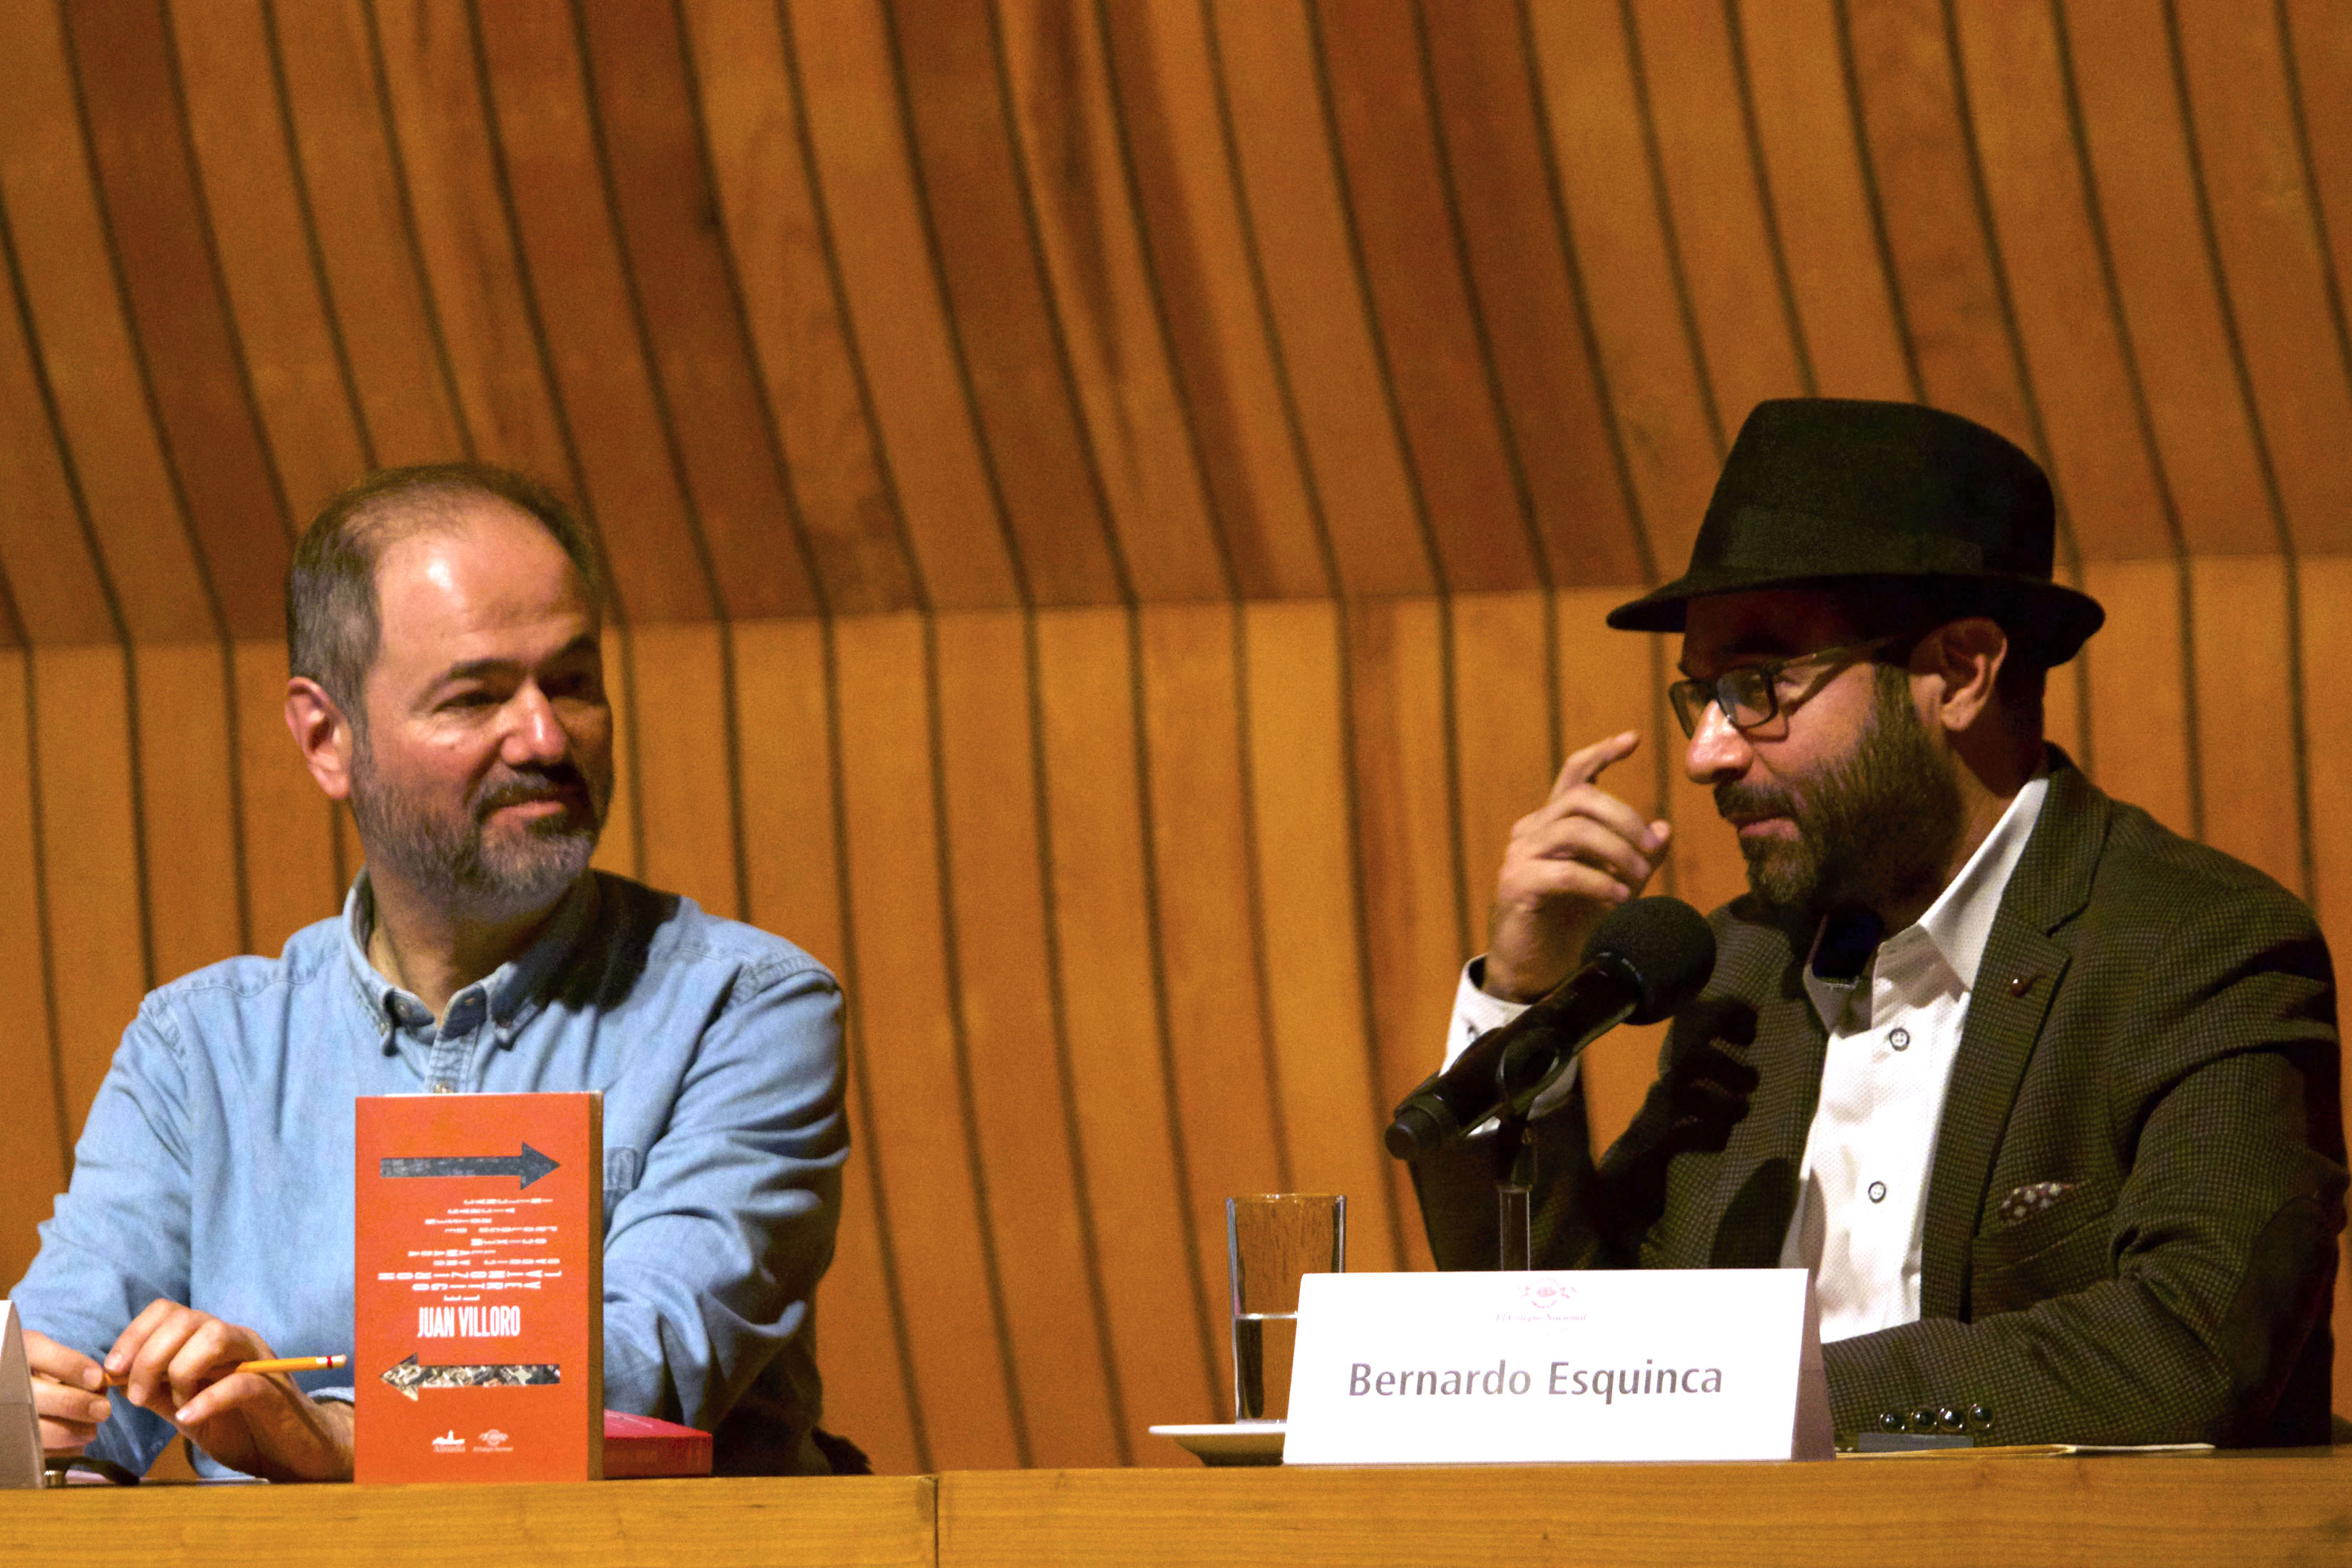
(2023, 1511)
(889, 1522)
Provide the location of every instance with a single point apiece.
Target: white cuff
(1474, 1013)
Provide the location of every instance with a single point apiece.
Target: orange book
(479, 1296)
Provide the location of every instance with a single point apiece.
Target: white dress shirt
(1894, 1033)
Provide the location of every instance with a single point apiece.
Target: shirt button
(1900, 1039)
(442, 1086)
(1878, 1192)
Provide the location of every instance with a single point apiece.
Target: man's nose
(1717, 750)
(534, 731)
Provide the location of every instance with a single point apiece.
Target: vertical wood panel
(33, 1162)
(784, 756)
(1198, 240)
(1407, 852)
(1168, 1357)
(1913, 115)
(544, 142)
(1431, 344)
(1222, 1052)
(1655, 382)
(2266, 229)
(1306, 852)
(2139, 160)
(1804, 121)
(1528, 295)
(473, 273)
(1289, 184)
(122, 60)
(2141, 702)
(910, 1047)
(870, 207)
(1042, 1210)
(682, 294)
(349, 178)
(237, 128)
(186, 766)
(683, 765)
(1072, 162)
(1720, 225)
(2247, 754)
(1001, 303)
(790, 311)
(84, 341)
(289, 831)
(2068, 323)
(89, 862)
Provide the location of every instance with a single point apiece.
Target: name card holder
(1548, 1368)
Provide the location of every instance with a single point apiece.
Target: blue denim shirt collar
(509, 994)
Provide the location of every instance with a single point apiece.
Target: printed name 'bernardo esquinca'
(1502, 1379)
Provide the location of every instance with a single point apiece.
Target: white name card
(1541, 1368)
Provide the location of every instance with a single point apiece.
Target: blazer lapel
(2015, 983)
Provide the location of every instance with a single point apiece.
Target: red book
(639, 1445)
(479, 1297)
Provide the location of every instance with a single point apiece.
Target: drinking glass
(1270, 1241)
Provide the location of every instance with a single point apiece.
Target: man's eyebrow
(1765, 645)
(475, 668)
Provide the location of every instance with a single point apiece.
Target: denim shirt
(216, 1168)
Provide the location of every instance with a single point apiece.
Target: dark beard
(1875, 830)
(458, 866)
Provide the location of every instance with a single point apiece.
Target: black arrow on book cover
(531, 1164)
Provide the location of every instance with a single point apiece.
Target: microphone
(1646, 962)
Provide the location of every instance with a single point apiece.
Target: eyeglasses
(1751, 695)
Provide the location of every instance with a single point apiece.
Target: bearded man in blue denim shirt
(448, 683)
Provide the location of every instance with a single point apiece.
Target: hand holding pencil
(213, 1381)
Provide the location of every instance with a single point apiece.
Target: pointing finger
(1583, 767)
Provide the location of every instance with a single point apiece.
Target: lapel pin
(2018, 985)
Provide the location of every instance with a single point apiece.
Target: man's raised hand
(1571, 861)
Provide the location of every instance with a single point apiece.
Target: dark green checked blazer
(2154, 1025)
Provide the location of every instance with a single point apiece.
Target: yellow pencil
(283, 1363)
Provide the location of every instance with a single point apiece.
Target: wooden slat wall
(1111, 504)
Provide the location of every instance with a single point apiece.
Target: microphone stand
(1513, 1195)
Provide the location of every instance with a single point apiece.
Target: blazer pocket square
(2024, 1203)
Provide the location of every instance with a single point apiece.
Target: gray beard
(1875, 830)
(459, 868)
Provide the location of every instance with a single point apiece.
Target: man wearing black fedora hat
(2045, 1095)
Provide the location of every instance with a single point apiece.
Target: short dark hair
(334, 623)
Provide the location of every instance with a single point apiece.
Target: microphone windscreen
(1667, 944)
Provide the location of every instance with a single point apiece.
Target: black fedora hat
(1827, 491)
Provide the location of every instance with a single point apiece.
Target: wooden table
(879, 1520)
(1952, 1512)
(1943, 1513)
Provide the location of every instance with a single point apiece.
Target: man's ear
(1965, 659)
(323, 733)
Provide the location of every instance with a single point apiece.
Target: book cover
(479, 1288)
